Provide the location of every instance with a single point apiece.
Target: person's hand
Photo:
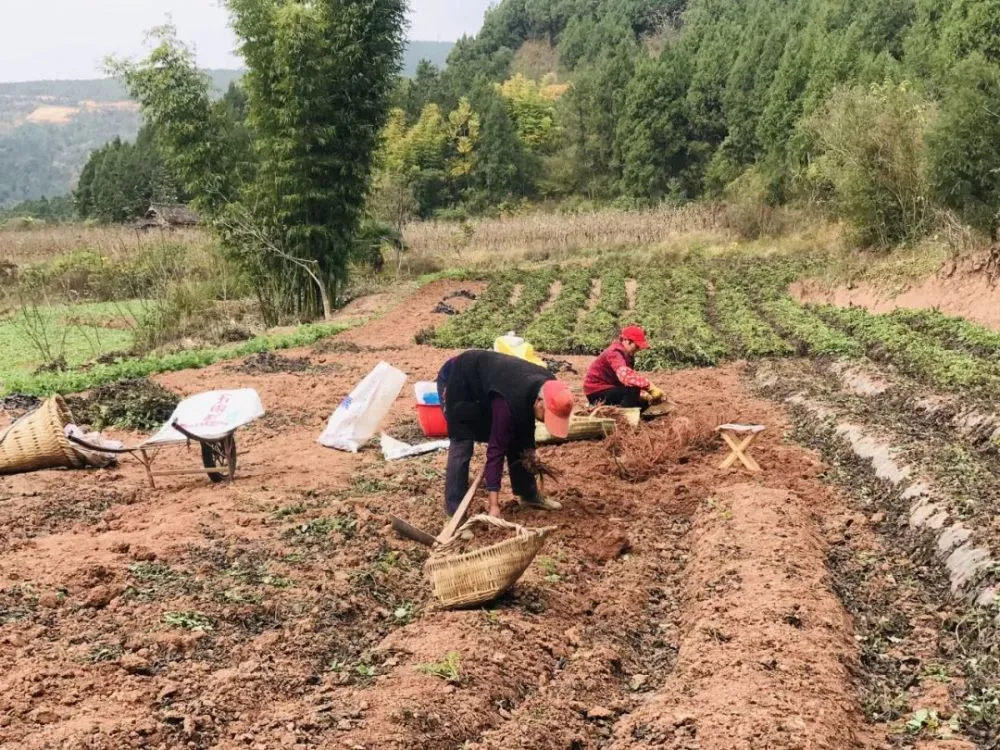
(656, 396)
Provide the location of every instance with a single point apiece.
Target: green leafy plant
(812, 335)
(675, 316)
(552, 331)
(152, 572)
(598, 328)
(188, 621)
(750, 335)
(449, 669)
(951, 332)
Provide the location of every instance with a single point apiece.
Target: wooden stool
(749, 432)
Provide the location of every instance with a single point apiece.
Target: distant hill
(49, 128)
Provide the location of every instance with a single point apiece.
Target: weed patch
(138, 404)
(189, 621)
(448, 669)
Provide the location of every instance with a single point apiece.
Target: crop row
(749, 335)
(552, 331)
(82, 379)
(483, 322)
(809, 333)
(951, 332)
(596, 329)
(681, 325)
(916, 354)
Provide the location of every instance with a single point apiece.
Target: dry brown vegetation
(556, 236)
(25, 246)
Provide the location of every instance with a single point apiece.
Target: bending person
(495, 399)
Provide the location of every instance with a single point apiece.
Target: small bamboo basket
(37, 441)
(479, 576)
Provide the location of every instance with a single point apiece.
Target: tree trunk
(324, 295)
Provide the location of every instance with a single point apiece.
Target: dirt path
(692, 610)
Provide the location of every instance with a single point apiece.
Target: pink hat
(558, 407)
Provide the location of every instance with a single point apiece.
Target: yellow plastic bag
(515, 346)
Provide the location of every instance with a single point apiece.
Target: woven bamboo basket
(479, 576)
(580, 428)
(37, 441)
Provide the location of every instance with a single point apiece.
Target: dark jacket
(475, 378)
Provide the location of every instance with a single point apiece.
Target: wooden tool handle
(456, 520)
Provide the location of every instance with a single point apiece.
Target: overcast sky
(45, 39)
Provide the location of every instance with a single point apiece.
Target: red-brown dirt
(966, 292)
(692, 610)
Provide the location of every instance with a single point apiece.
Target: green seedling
(188, 621)
(152, 572)
(449, 670)
(403, 613)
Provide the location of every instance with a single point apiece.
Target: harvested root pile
(267, 363)
(639, 455)
(444, 308)
(137, 404)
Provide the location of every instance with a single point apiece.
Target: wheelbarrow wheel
(220, 455)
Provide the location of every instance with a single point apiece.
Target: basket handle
(487, 520)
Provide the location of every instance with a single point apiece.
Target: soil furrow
(765, 649)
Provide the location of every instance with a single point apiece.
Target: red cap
(558, 407)
(636, 335)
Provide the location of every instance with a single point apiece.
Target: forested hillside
(883, 113)
(883, 110)
(49, 128)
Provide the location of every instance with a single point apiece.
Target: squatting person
(612, 379)
(495, 399)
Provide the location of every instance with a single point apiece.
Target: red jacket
(613, 369)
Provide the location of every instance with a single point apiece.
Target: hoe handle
(456, 520)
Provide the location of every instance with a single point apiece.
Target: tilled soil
(693, 610)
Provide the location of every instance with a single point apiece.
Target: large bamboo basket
(582, 427)
(37, 441)
(482, 575)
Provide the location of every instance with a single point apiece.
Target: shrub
(185, 309)
(871, 152)
(750, 209)
(963, 158)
